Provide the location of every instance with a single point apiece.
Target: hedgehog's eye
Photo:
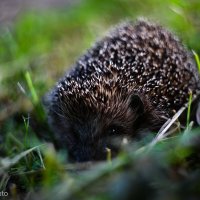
(114, 130)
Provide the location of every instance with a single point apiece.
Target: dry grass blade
(162, 133)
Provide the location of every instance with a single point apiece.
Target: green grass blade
(197, 60)
(34, 96)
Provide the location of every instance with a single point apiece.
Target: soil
(10, 9)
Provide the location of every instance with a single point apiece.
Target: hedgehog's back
(141, 57)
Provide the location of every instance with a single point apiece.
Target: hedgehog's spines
(128, 56)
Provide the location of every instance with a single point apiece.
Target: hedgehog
(125, 85)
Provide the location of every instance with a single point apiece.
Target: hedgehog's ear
(136, 104)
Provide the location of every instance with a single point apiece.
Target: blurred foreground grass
(34, 52)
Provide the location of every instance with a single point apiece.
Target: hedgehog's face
(88, 132)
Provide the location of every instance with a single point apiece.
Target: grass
(34, 53)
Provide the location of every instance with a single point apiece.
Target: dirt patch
(10, 9)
